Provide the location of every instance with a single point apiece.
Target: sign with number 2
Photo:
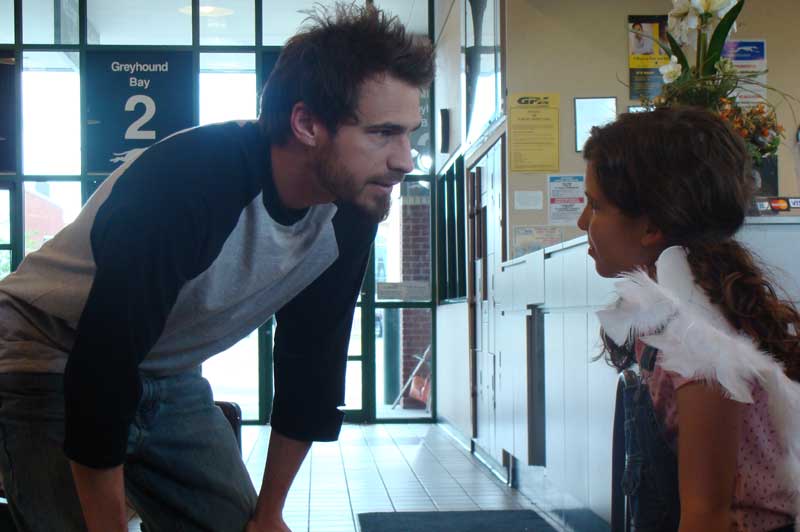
(134, 99)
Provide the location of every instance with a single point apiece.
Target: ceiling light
(425, 162)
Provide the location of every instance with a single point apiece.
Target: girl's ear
(652, 237)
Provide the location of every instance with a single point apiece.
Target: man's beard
(338, 181)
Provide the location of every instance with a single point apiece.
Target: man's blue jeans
(183, 471)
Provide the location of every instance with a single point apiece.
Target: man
(181, 253)
(639, 44)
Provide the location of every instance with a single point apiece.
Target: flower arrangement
(704, 26)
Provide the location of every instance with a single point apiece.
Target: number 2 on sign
(134, 132)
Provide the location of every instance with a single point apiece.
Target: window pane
(352, 390)
(233, 375)
(402, 337)
(6, 21)
(354, 348)
(481, 56)
(228, 89)
(139, 22)
(51, 130)
(414, 15)
(283, 19)
(5, 262)
(49, 207)
(403, 245)
(227, 22)
(421, 138)
(43, 24)
(8, 115)
(5, 216)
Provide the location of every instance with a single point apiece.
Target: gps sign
(134, 99)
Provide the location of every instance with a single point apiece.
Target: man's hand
(102, 496)
(276, 524)
(284, 458)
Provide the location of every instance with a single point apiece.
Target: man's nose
(400, 159)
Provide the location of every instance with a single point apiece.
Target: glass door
(6, 251)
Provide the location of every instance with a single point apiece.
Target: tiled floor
(382, 468)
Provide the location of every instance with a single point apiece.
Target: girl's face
(617, 242)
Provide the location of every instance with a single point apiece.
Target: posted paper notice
(533, 132)
(567, 198)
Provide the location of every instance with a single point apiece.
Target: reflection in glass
(49, 207)
(5, 216)
(590, 112)
(51, 139)
(227, 22)
(233, 375)
(482, 63)
(354, 348)
(42, 24)
(403, 382)
(6, 21)
(421, 150)
(228, 88)
(157, 22)
(403, 245)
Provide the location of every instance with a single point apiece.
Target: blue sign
(134, 99)
(745, 50)
(8, 115)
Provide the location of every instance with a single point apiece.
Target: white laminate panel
(554, 281)
(576, 402)
(520, 376)
(485, 403)
(601, 395)
(510, 356)
(452, 367)
(503, 288)
(554, 397)
(528, 286)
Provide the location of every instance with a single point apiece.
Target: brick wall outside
(416, 263)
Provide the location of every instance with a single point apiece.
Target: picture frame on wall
(591, 112)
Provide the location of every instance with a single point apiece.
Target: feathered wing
(695, 341)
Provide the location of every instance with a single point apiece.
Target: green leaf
(718, 39)
(677, 51)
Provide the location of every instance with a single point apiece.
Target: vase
(765, 174)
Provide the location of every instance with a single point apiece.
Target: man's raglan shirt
(178, 255)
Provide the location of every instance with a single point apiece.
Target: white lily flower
(680, 8)
(672, 70)
(715, 7)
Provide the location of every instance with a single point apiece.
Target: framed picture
(591, 112)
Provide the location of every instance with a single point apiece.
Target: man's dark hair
(325, 64)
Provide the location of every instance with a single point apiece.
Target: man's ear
(306, 127)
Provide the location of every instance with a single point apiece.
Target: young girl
(712, 410)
